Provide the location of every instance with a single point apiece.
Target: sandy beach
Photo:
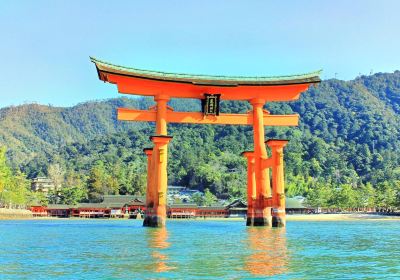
(327, 217)
(11, 214)
(320, 217)
(26, 215)
(340, 217)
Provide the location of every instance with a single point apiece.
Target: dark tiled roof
(237, 204)
(91, 205)
(137, 203)
(59, 206)
(122, 199)
(114, 205)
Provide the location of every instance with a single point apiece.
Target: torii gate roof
(146, 82)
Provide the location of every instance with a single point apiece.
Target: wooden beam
(199, 118)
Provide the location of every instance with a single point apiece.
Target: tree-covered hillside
(35, 130)
(347, 144)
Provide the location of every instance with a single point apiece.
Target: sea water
(193, 249)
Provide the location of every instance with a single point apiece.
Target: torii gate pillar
(156, 212)
(262, 211)
(149, 194)
(251, 187)
(157, 179)
(278, 182)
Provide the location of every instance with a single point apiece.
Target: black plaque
(210, 104)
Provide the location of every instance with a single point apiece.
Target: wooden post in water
(262, 211)
(156, 212)
(149, 194)
(156, 216)
(251, 187)
(278, 182)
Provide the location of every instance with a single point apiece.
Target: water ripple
(116, 249)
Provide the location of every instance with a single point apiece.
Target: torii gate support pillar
(157, 214)
(149, 194)
(278, 182)
(251, 187)
(262, 211)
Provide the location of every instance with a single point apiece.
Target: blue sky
(45, 45)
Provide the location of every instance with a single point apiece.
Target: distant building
(214, 211)
(297, 205)
(182, 211)
(237, 208)
(42, 184)
(116, 206)
(58, 210)
(120, 206)
(124, 204)
(38, 210)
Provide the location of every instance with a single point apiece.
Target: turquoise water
(123, 249)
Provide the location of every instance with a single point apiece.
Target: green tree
(320, 195)
(387, 196)
(366, 196)
(198, 199)
(38, 197)
(5, 170)
(14, 188)
(209, 198)
(344, 197)
(72, 195)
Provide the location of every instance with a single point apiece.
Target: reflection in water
(268, 251)
(157, 241)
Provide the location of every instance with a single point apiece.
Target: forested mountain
(348, 139)
(38, 130)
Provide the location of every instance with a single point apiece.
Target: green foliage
(198, 199)
(14, 187)
(387, 197)
(72, 195)
(5, 171)
(37, 198)
(209, 198)
(320, 195)
(343, 197)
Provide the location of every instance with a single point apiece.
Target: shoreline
(289, 218)
(15, 214)
(342, 217)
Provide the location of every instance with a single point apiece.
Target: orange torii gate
(266, 206)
